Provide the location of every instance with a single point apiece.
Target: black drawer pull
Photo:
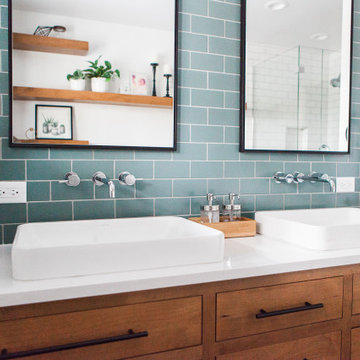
(4, 355)
(307, 306)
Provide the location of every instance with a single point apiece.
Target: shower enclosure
(293, 99)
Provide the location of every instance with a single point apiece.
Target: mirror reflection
(298, 60)
(94, 73)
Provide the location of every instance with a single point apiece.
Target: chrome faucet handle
(70, 179)
(281, 178)
(99, 178)
(126, 178)
(298, 177)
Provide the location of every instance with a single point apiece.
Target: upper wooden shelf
(49, 44)
(50, 141)
(40, 94)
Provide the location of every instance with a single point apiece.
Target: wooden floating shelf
(49, 44)
(51, 142)
(90, 97)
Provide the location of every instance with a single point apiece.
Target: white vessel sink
(72, 248)
(320, 229)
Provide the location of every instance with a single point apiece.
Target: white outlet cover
(12, 192)
(345, 184)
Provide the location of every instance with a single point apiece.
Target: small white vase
(100, 85)
(78, 84)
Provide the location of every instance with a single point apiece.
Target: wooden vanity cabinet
(320, 347)
(302, 315)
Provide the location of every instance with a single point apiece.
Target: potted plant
(101, 75)
(77, 80)
(47, 124)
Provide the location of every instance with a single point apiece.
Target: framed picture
(139, 84)
(53, 122)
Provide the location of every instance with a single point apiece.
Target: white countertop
(244, 257)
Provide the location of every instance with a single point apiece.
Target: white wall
(129, 49)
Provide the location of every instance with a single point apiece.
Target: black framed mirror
(99, 76)
(296, 75)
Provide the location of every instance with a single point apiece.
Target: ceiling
(158, 14)
(294, 25)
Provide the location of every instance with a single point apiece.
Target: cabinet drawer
(259, 310)
(163, 325)
(322, 347)
(356, 294)
(355, 344)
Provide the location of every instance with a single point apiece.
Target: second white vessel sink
(320, 229)
(72, 248)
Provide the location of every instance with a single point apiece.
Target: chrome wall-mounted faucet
(99, 179)
(315, 177)
(298, 178)
(70, 179)
(126, 178)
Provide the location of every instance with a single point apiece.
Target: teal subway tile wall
(207, 158)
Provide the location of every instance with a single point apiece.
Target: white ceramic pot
(78, 84)
(100, 85)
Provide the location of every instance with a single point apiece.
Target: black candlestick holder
(154, 66)
(168, 76)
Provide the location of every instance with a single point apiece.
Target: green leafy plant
(48, 120)
(105, 71)
(77, 75)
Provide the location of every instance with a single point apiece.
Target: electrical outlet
(12, 192)
(345, 184)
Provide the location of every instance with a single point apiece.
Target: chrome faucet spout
(316, 177)
(111, 189)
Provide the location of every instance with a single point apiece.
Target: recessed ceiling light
(276, 5)
(319, 36)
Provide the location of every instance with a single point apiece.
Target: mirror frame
(243, 89)
(109, 147)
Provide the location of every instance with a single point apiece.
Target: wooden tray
(232, 229)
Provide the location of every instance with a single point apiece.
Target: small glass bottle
(232, 211)
(210, 213)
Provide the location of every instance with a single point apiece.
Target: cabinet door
(322, 347)
(113, 333)
(264, 309)
(355, 344)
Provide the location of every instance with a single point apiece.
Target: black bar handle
(307, 306)
(4, 355)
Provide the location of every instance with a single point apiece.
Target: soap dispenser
(210, 213)
(232, 211)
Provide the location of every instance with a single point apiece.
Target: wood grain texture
(356, 294)
(50, 141)
(49, 44)
(171, 324)
(232, 229)
(90, 97)
(355, 344)
(322, 347)
(236, 310)
(207, 292)
(104, 353)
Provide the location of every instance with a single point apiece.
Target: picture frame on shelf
(53, 122)
(139, 84)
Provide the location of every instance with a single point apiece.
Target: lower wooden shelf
(51, 142)
(43, 94)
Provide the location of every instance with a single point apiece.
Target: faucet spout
(317, 177)
(111, 189)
